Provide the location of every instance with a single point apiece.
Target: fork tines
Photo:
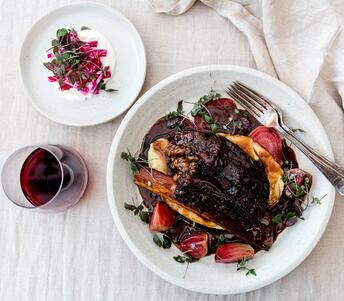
(252, 101)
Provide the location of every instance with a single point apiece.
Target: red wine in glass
(40, 177)
(50, 177)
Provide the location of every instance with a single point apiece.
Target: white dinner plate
(128, 78)
(291, 247)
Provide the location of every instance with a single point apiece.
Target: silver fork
(267, 113)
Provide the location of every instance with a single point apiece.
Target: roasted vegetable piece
(233, 252)
(268, 138)
(195, 245)
(163, 217)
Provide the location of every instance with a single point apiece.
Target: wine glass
(45, 177)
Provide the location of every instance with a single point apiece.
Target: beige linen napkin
(299, 42)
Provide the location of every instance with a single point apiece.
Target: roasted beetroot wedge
(163, 217)
(233, 252)
(195, 245)
(269, 139)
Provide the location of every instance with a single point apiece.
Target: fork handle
(332, 171)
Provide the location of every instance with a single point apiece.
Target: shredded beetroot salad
(77, 64)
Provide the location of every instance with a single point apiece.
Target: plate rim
(111, 198)
(81, 4)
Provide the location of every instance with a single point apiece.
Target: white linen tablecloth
(79, 255)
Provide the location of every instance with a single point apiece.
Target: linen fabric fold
(299, 42)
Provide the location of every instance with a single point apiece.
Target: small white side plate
(129, 73)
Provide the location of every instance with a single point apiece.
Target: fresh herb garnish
(316, 200)
(288, 214)
(135, 167)
(110, 90)
(165, 242)
(238, 123)
(183, 259)
(84, 28)
(277, 218)
(178, 112)
(241, 266)
(157, 240)
(220, 240)
(138, 210)
(285, 216)
(200, 109)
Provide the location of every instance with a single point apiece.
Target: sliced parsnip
(244, 142)
(156, 155)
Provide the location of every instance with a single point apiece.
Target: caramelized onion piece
(233, 252)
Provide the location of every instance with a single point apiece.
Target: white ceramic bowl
(292, 246)
(128, 78)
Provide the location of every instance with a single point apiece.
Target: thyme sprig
(134, 165)
(184, 259)
(139, 210)
(165, 242)
(242, 266)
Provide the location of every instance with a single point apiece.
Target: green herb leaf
(157, 240)
(129, 206)
(54, 43)
(166, 243)
(180, 107)
(144, 216)
(135, 167)
(84, 28)
(277, 218)
(58, 57)
(220, 240)
(139, 210)
(180, 259)
(214, 127)
(316, 200)
(61, 32)
(49, 66)
(238, 123)
(251, 272)
(241, 265)
(111, 90)
(208, 119)
(183, 259)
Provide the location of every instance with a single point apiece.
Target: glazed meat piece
(202, 148)
(224, 185)
(229, 188)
